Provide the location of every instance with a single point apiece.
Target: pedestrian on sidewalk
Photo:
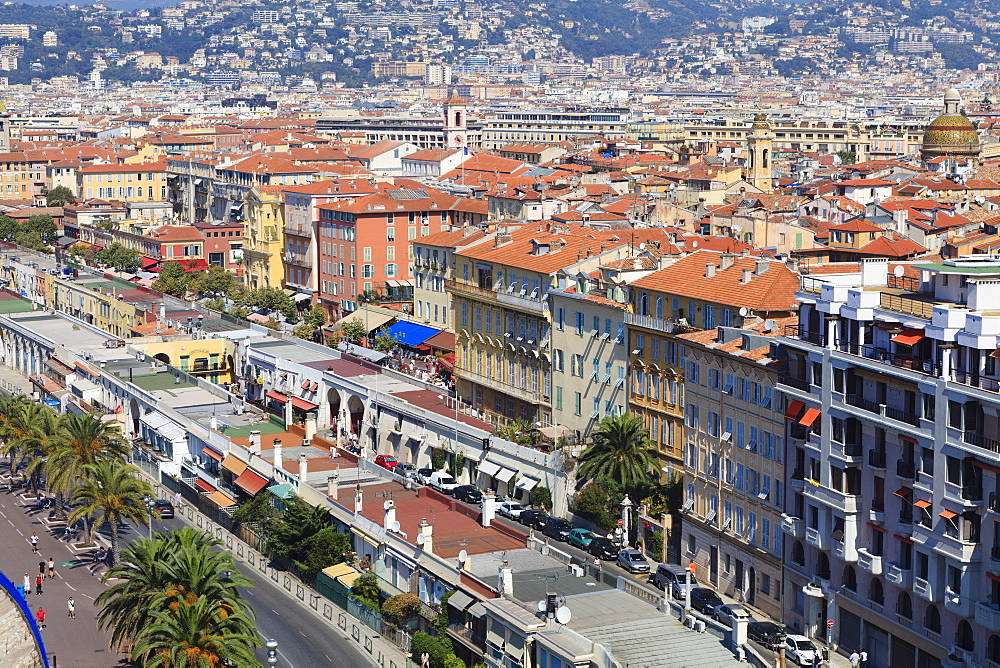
(38, 585)
(855, 659)
(864, 658)
(27, 584)
(177, 500)
(40, 616)
(52, 567)
(41, 568)
(34, 543)
(71, 608)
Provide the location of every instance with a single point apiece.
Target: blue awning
(282, 491)
(411, 334)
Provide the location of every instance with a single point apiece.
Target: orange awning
(908, 337)
(809, 417)
(277, 396)
(234, 465)
(203, 486)
(209, 452)
(304, 405)
(794, 410)
(221, 500)
(920, 503)
(995, 354)
(948, 514)
(250, 482)
(903, 492)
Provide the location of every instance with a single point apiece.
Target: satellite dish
(737, 228)
(744, 311)
(395, 527)
(462, 556)
(388, 504)
(563, 615)
(768, 325)
(898, 271)
(541, 606)
(420, 539)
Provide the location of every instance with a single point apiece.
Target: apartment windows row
(430, 283)
(331, 249)
(433, 312)
(519, 375)
(705, 316)
(739, 476)
(127, 192)
(123, 178)
(654, 387)
(492, 321)
(598, 407)
(744, 522)
(739, 433)
(337, 268)
(333, 288)
(661, 430)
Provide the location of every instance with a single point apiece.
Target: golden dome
(760, 123)
(950, 134)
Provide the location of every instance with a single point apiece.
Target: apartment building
(265, 214)
(892, 420)
(734, 461)
(146, 182)
(433, 265)
(501, 128)
(795, 134)
(704, 290)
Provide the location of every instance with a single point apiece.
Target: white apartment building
(892, 448)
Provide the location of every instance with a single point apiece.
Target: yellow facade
(96, 307)
(211, 359)
(140, 185)
(263, 240)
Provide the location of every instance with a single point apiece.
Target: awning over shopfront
(234, 465)
(505, 475)
(364, 353)
(410, 334)
(203, 486)
(526, 483)
(220, 499)
(209, 452)
(250, 482)
(372, 320)
(489, 468)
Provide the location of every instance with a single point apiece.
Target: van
(673, 578)
(443, 482)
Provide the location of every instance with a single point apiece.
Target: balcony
(859, 401)
(817, 539)
(971, 493)
(852, 453)
(798, 480)
(648, 322)
(797, 383)
(793, 526)
(870, 562)
(988, 616)
(958, 604)
(926, 590)
(899, 576)
(530, 396)
(979, 440)
(922, 308)
(801, 333)
(843, 551)
(995, 558)
(845, 503)
(518, 301)
(468, 636)
(905, 524)
(977, 381)
(906, 470)
(884, 356)
(876, 516)
(876, 459)
(296, 260)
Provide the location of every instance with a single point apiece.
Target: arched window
(823, 566)
(964, 637)
(993, 649)
(904, 605)
(659, 307)
(764, 156)
(798, 553)
(850, 578)
(643, 303)
(875, 593)
(932, 619)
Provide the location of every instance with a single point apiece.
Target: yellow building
(146, 182)
(211, 359)
(262, 242)
(96, 302)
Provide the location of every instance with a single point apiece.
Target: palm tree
(196, 635)
(621, 450)
(111, 491)
(29, 431)
(163, 572)
(85, 440)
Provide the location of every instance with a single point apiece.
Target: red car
(387, 462)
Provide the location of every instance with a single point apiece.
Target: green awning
(282, 490)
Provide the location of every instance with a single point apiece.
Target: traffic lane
(303, 639)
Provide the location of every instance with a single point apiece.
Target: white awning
(301, 297)
(505, 475)
(163, 426)
(489, 468)
(460, 600)
(526, 483)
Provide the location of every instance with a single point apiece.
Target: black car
(533, 518)
(467, 493)
(164, 508)
(768, 634)
(557, 527)
(603, 548)
(705, 600)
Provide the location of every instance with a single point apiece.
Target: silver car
(633, 561)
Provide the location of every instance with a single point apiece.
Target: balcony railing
(908, 283)
(887, 357)
(876, 459)
(802, 333)
(975, 380)
(906, 470)
(468, 635)
(516, 300)
(799, 383)
(907, 305)
(973, 493)
(985, 442)
(902, 416)
(859, 401)
(531, 396)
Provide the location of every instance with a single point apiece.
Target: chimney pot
(747, 273)
(277, 453)
(303, 469)
(762, 266)
(726, 261)
(710, 270)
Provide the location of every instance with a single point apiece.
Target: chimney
(213, 423)
(289, 416)
(726, 260)
(710, 270)
(163, 312)
(332, 485)
(310, 424)
(358, 500)
(303, 469)
(792, 264)
(276, 443)
(747, 273)
(427, 531)
(762, 266)
(254, 442)
(489, 509)
(390, 515)
(506, 580)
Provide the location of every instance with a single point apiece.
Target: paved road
(303, 640)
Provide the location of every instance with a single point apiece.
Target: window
(765, 536)
(577, 400)
(579, 323)
(390, 270)
(559, 398)
(560, 319)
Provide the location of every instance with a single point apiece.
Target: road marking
(71, 586)
(303, 634)
(275, 612)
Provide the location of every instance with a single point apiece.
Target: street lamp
(626, 518)
(272, 651)
(150, 503)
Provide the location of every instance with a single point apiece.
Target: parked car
(405, 470)
(557, 527)
(603, 548)
(580, 538)
(510, 509)
(672, 578)
(633, 561)
(730, 613)
(705, 600)
(443, 482)
(387, 462)
(532, 518)
(467, 493)
(164, 508)
(768, 634)
(801, 650)
(423, 476)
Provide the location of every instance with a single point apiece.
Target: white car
(728, 614)
(802, 651)
(443, 482)
(510, 509)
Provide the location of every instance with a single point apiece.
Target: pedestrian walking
(71, 608)
(27, 584)
(864, 658)
(40, 616)
(38, 585)
(34, 543)
(855, 659)
(177, 500)
(52, 567)
(41, 568)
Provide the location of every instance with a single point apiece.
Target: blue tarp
(411, 334)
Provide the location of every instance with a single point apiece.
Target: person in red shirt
(40, 616)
